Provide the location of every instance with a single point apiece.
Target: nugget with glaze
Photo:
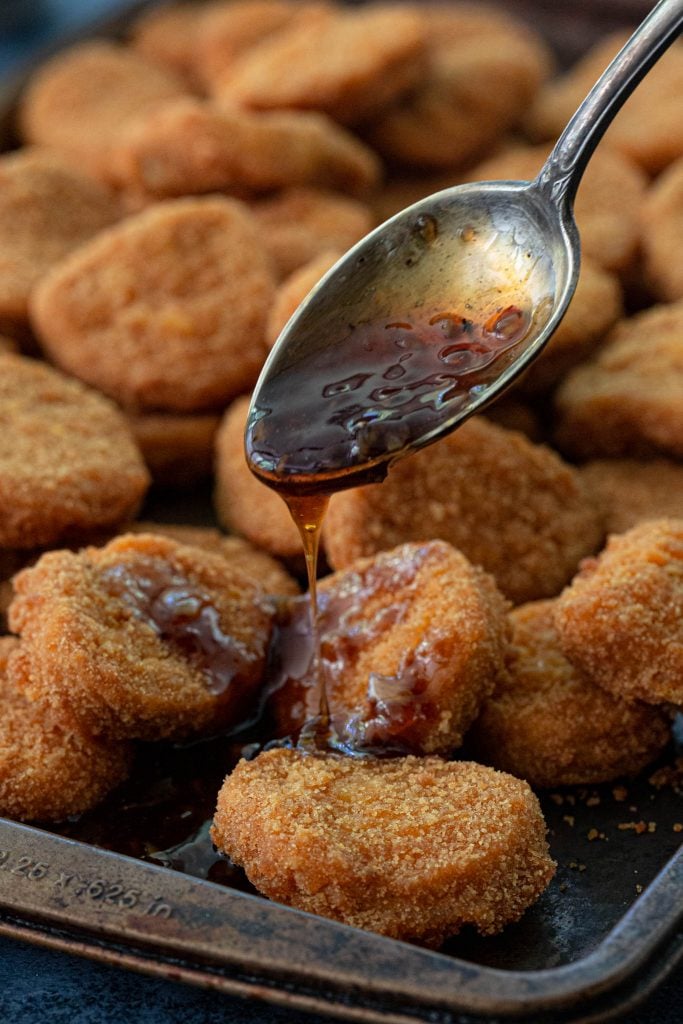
(621, 619)
(188, 147)
(347, 63)
(549, 724)
(299, 224)
(165, 311)
(178, 449)
(629, 491)
(662, 229)
(413, 848)
(648, 128)
(68, 462)
(81, 99)
(294, 290)
(143, 638)
(243, 503)
(410, 644)
(483, 70)
(629, 400)
(49, 769)
(509, 505)
(46, 210)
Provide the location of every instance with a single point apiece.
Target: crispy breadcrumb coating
(413, 848)
(661, 231)
(294, 290)
(630, 491)
(178, 448)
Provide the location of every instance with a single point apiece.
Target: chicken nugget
(188, 146)
(178, 450)
(410, 644)
(348, 64)
(513, 507)
(49, 769)
(413, 848)
(166, 311)
(662, 229)
(80, 100)
(294, 290)
(629, 400)
(244, 504)
(68, 463)
(647, 129)
(608, 202)
(549, 724)
(621, 619)
(629, 491)
(270, 574)
(515, 415)
(144, 638)
(299, 224)
(483, 70)
(169, 35)
(46, 210)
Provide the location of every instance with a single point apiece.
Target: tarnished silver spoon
(436, 312)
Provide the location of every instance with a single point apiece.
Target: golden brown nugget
(165, 311)
(413, 848)
(178, 450)
(549, 724)
(515, 415)
(662, 229)
(608, 202)
(648, 129)
(169, 35)
(144, 638)
(80, 100)
(629, 491)
(629, 400)
(188, 146)
(68, 463)
(621, 620)
(49, 769)
(512, 507)
(299, 224)
(270, 574)
(243, 504)
(294, 290)
(411, 641)
(484, 68)
(349, 64)
(46, 210)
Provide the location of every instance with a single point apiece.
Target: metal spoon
(437, 311)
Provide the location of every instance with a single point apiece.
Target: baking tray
(136, 883)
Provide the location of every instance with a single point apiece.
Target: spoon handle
(562, 171)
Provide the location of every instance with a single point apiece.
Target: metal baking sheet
(606, 932)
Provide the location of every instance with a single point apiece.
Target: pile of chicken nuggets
(504, 612)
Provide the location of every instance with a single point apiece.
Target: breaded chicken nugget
(662, 229)
(46, 210)
(621, 620)
(608, 202)
(549, 724)
(648, 129)
(299, 224)
(515, 415)
(68, 463)
(188, 146)
(178, 450)
(410, 644)
(413, 848)
(80, 100)
(294, 290)
(169, 35)
(243, 503)
(630, 491)
(483, 70)
(143, 638)
(349, 64)
(629, 400)
(511, 506)
(270, 574)
(49, 769)
(165, 311)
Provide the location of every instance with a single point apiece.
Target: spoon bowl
(436, 312)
